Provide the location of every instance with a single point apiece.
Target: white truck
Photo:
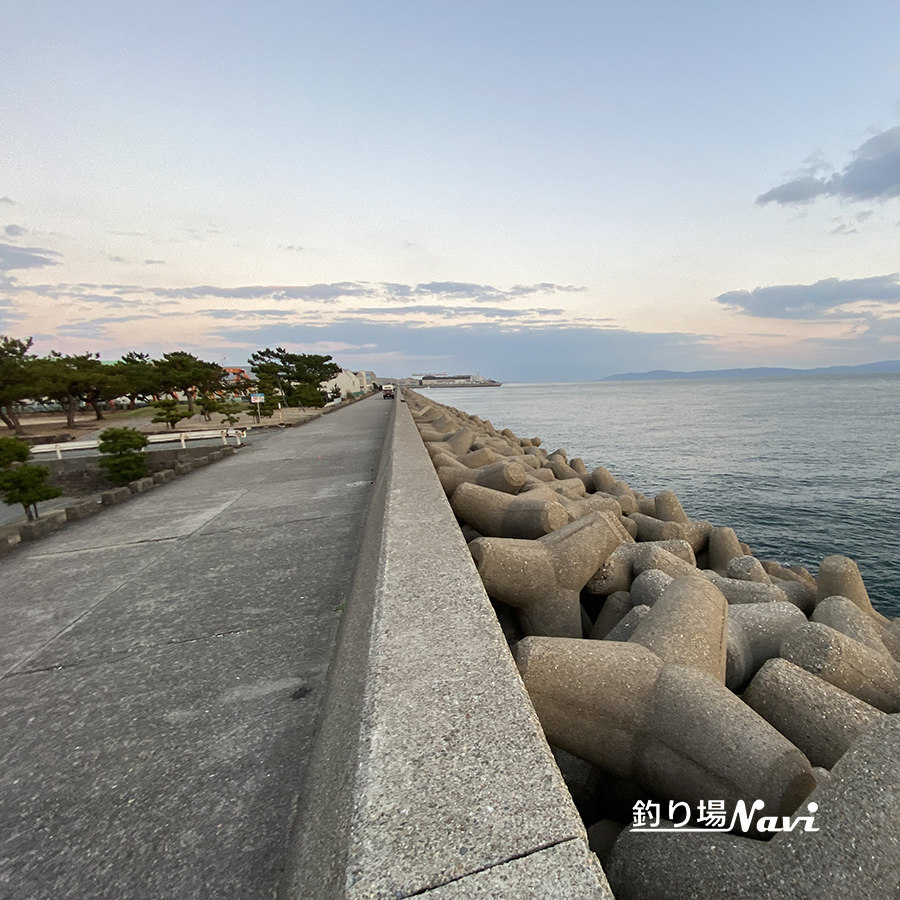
(387, 391)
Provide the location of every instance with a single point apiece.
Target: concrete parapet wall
(430, 774)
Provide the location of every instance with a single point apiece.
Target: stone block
(674, 730)
(820, 719)
(847, 664)
(688, 626)
(668, 507)
(116, 495)
(164, 476)
(201, 461)
(615, 609)
(840, 576)
(853, 853)
(747, 568)
(543, 578)
(755, 633)
(46, 524)
(845, 616)
(497, 514)
(696, 533)
(723, 547)
(82, 510)
(140, 485)
(617, 573)
(628, 624)
(506, 476)
(216, 455)
(648, 587)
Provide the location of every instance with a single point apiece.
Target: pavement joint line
(161, 540)
(130, 576)
(122, 655)
(502, 862)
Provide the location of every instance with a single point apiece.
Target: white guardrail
(182, 436)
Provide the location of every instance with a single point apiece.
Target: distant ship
(450, 381)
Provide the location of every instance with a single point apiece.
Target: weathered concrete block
(845, 616)
(801, 593)
(747, 568)
(666, 731)
(615, 609)
(737, 591)
(82, 510)
(117, 495)
(474, 459)
(497, 514)
(544, 578)
(617, 573)
(861, 671)
(201, 461)
(183, 468)
(603, 479)
(506, 476)
(820, 719)
(840, 576)
(654, 556)
(46, 524)
(216, 455)
(140, 485)
(575, 508)
(668, 507)
(164, 476)
(688, 626)
(648, 587)
(229, 450)
(650, 529)
(625, 628)
(723, 547)
(853, 852)
(755, 633)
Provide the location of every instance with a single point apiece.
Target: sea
(801, 467)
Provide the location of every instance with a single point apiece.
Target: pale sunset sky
(532, 191)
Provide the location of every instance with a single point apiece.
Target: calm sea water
(801, 468)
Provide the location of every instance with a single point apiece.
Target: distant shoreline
(886, 367)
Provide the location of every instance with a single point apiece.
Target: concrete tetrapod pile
(728, 726)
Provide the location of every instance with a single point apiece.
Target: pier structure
(278, 676)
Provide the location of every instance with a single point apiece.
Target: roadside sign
(257, 398)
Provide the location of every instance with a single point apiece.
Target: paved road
(163, 665)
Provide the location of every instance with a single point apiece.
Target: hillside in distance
(890, 366)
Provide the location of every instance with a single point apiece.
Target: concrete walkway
(163, 666)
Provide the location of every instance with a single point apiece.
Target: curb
(50, 522)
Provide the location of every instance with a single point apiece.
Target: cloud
(116, 259)
(129, 233)
(451, 312)
(12, 257)
(93, 329)
(242, 313)
(14, 231)
(535, 353)
(8, 201)
(466, 291)
(154, 262)
(812, 301)
(873, 174)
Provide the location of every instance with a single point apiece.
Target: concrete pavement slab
(164, 680)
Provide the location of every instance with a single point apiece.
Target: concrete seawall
(430, 774)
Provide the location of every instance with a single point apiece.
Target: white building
(348, 382)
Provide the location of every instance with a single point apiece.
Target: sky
(529, 191)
